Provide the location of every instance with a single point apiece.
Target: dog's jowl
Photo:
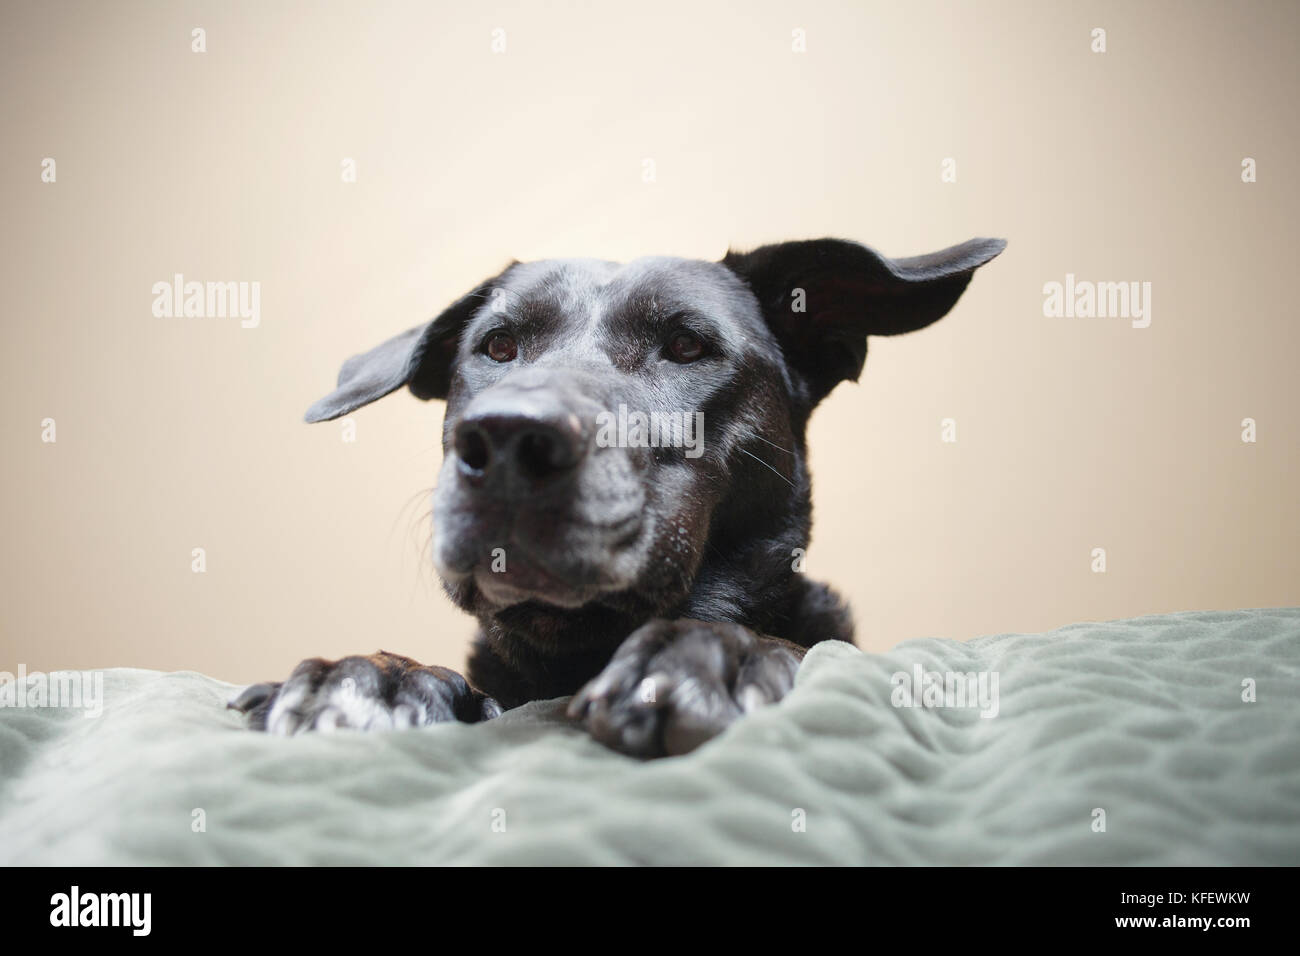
(624, 484)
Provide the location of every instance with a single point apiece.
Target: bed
(1169, 739)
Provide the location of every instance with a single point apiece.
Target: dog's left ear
(421, 357)
(823, 297)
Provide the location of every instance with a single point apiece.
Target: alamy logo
(102, 909)
(208, 300)
(82, 690)
(1101, 300)
(928, 689)
(626, 429)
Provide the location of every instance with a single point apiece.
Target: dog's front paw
(380, 692)
(672, 685)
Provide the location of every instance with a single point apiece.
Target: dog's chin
(560, 566)
(503, 589)
(478, 587)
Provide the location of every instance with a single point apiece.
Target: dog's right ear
(420, 358)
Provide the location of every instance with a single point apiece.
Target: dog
(654, 581)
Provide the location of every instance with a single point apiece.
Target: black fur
(656, 586)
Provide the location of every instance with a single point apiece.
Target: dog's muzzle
(528, 505)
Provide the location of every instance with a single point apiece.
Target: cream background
(1073, 433)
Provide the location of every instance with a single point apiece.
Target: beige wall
(1072, 434)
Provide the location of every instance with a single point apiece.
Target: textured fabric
(1142, 719)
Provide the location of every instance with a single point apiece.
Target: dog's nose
(520, 449)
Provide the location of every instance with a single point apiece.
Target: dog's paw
(380, 692)
(672, 685)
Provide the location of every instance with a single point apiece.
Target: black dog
(612, 543)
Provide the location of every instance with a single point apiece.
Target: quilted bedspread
(1170, 739)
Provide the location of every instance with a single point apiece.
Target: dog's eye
(685, 347)
(501, 347)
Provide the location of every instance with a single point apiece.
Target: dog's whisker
(425, 553)
(426, 451)
(774, 445)
(413, 499)
(768, 467)
(419, 520)
(714, 548)
(424, 521)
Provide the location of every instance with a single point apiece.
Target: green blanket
(1171, 739)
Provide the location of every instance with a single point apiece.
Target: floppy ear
(420, 357)
(823, 297)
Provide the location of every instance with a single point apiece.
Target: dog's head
(629, 438)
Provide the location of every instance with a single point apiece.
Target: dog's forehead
(594, 288)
